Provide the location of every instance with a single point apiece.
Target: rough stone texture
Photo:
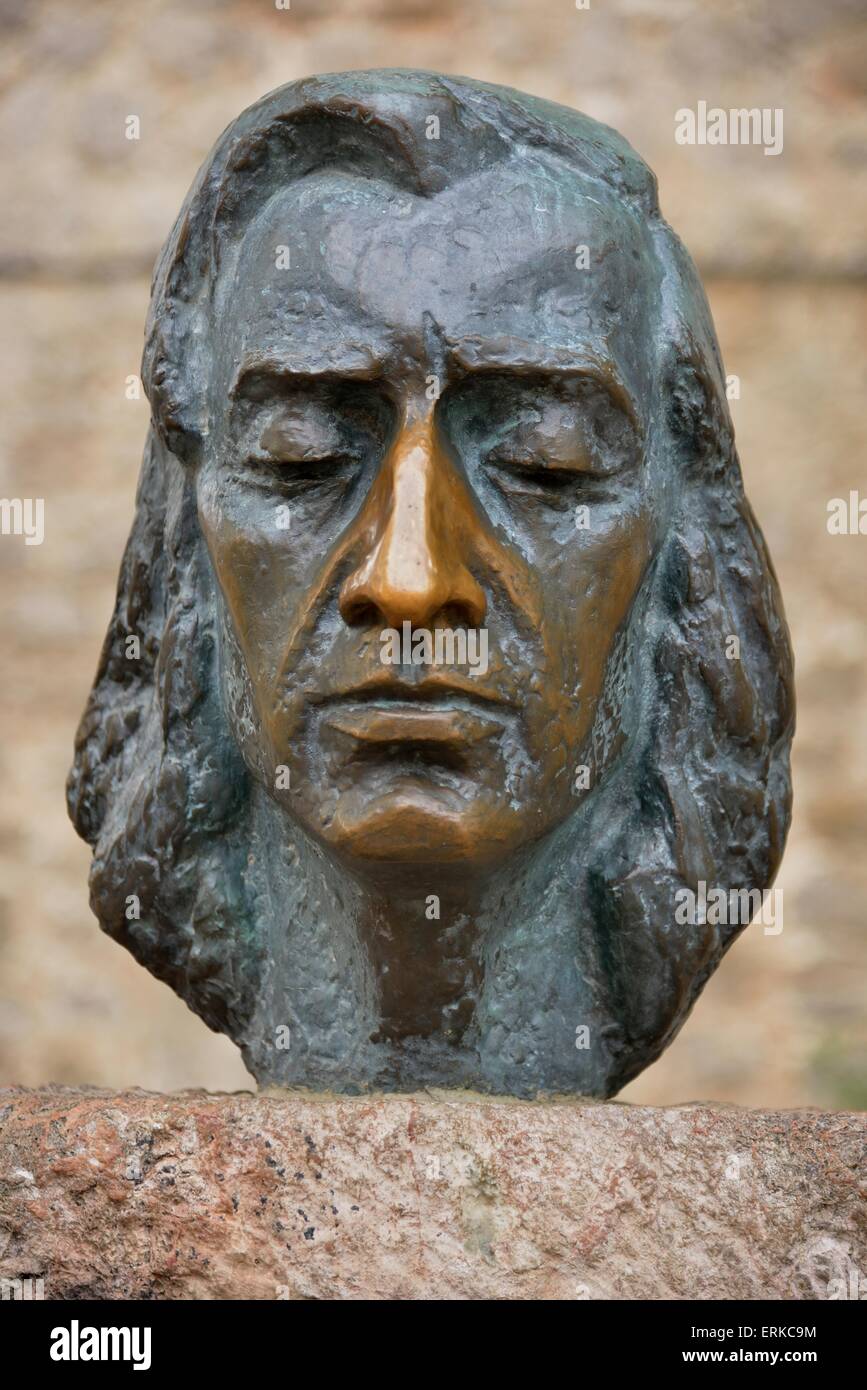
(137, 1195)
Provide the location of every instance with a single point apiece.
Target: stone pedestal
(136, 1195)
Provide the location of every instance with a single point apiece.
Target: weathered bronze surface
(460, 655)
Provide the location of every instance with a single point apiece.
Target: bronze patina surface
(459, 657)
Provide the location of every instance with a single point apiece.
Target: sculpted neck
(421, 978)
(424, 931)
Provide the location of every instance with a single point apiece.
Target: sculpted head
(439, 550)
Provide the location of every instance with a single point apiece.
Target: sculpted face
(439, 545)
(433, 417)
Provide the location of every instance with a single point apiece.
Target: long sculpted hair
(699, 786)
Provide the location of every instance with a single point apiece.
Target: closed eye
(543, 474)
(310, 470)
(534, 478)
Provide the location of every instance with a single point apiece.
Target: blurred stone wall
(780, 241)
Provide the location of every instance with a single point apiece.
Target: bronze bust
(447, 651)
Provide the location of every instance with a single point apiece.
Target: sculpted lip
(413, 723)
(432, 712)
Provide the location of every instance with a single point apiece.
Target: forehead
(513, 253)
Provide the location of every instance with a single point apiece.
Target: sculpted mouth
(432, 712)
(411, 724)
(433, 690)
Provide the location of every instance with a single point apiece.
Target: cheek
(589, 600)
(256, 573)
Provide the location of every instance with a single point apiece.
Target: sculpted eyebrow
(278, 373)
(484, 357)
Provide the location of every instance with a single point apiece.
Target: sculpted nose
(417, 521)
